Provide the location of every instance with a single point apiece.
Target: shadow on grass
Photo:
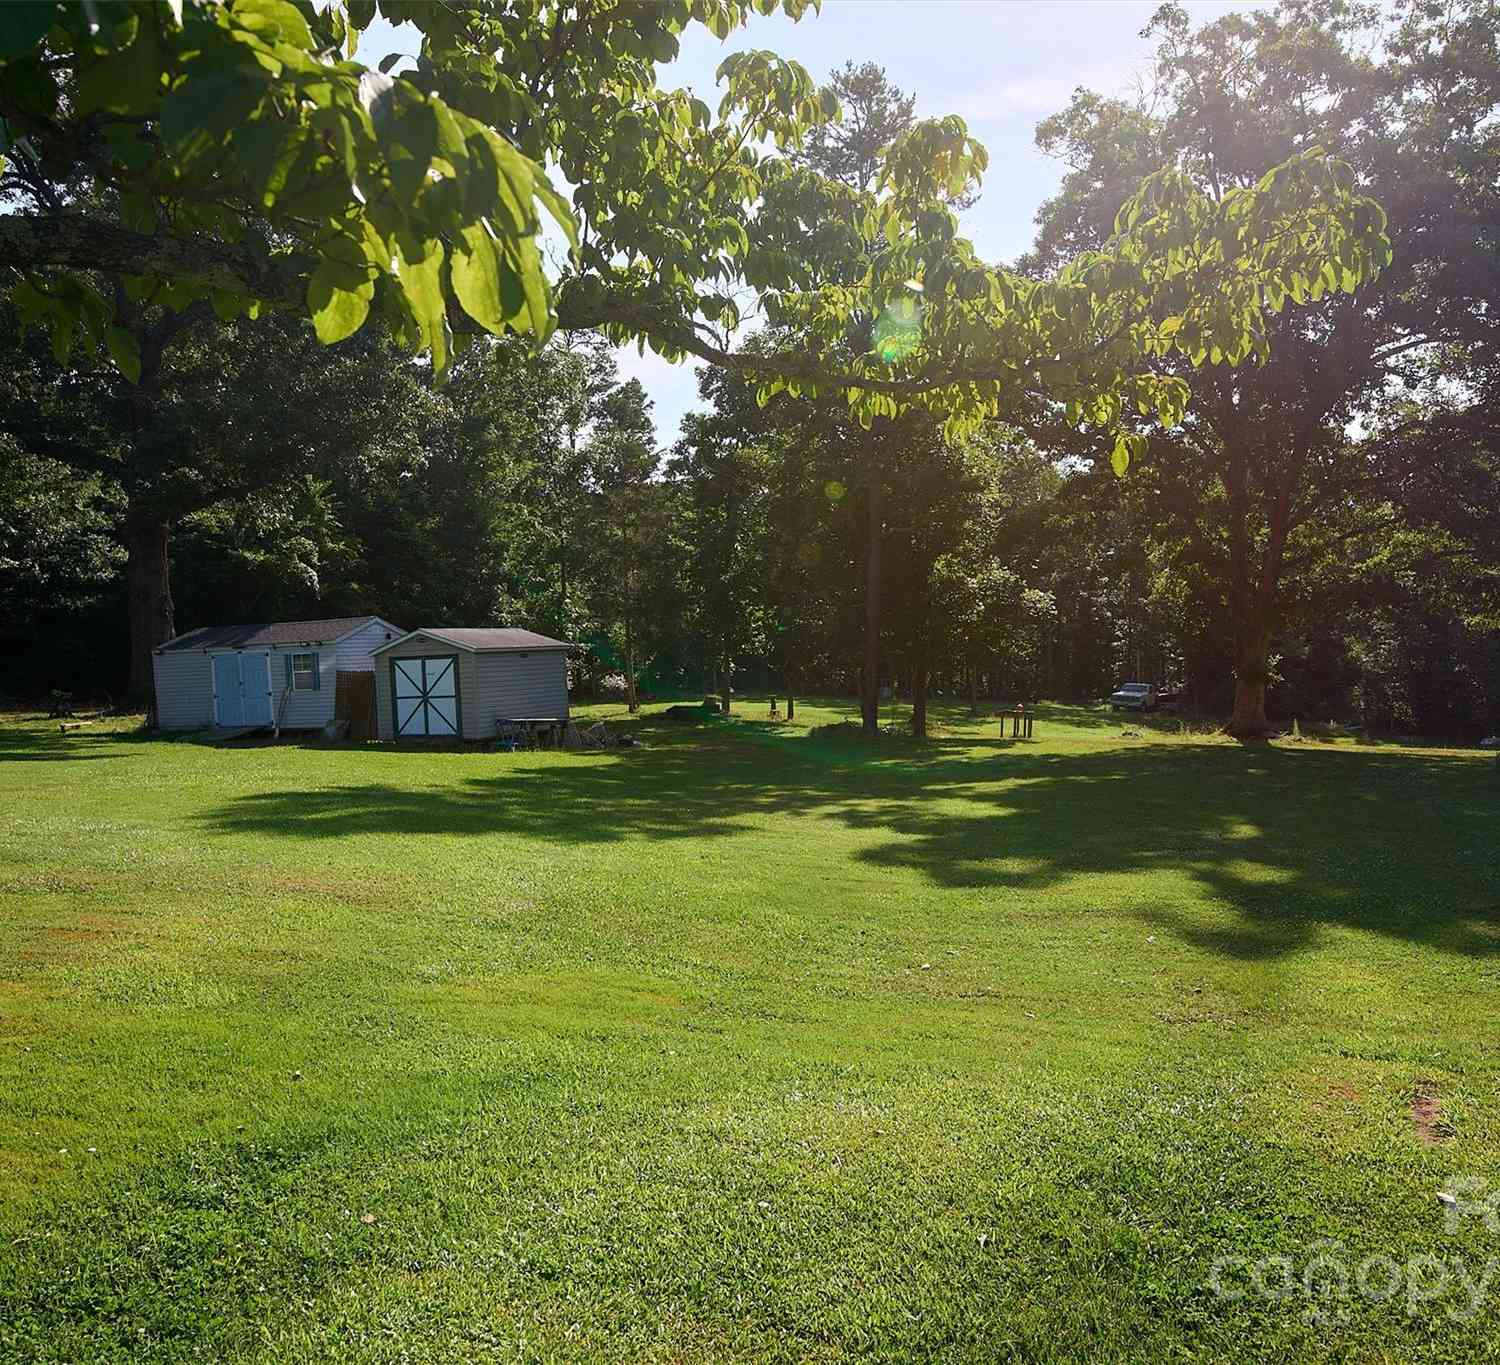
(1288, 843)
(42, 742)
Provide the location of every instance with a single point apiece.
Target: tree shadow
(43, 742)
(1287, 844)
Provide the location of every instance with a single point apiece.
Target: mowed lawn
(750, 1042)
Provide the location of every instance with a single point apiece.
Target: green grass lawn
(754, 1041)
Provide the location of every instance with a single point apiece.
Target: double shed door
(424, 694)
(242, 689)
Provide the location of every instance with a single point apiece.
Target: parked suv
(1134, 696)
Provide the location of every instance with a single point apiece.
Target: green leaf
(478, 275)
(421, 282)
(338, 297)
(227, 306)
(1119, 457)
(450, 139)
(198, 113)
(410, 139)
(534, 284)
(137, 211)
(127, 80)
(125, 351)
(64, 326)
(266, 150)
(334, 123)
(515, 184)
(271, 20)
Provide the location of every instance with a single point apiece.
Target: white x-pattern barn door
(425, 693)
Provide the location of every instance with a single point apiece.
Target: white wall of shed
(509, 684)
(308, 710)
(495, 686)
(354, 651)
(184, 690)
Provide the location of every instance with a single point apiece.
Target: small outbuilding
(445, 682)
(282, 673)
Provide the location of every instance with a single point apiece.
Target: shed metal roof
(480, 640)
(274, 633)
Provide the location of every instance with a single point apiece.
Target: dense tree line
(1318, 538)
(309, 483)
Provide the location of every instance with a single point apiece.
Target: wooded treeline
(1319, 540)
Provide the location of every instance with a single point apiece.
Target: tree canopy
(236, 154)
(179, 178)
(1295, 470)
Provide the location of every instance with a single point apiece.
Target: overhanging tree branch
(74, 242)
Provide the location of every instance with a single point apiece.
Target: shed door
(425, 695)
(255, 687)
(229, 705)
(242, 689)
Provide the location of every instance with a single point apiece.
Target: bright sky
(1002, 64)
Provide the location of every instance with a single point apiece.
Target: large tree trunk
(1251, 670)
(1248, 720)
(1253, 598)
(919, 699)
(150, 611)
(633, 701)
(870, 701)
(1254, 594)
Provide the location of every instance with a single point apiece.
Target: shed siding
(354, 652)
(310, 710)
(533, 683)
(491, 687)
(184, 690)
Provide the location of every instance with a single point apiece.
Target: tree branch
(74, 242)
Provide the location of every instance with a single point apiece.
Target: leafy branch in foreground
(233, 154)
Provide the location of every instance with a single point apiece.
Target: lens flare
(898, 331)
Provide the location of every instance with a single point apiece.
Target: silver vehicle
(1134, 696)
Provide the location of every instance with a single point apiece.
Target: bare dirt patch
(1427, 1115)
(81, 937)
(1337, 1100)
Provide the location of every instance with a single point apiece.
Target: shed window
(304, 672)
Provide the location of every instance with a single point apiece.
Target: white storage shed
(445, 682)
(282, 673)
